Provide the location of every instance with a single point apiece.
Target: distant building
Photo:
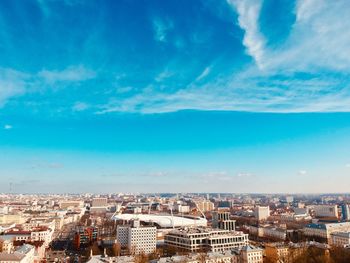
(329, 211)
(271, 232)
(23, 254)
(221, 219)
(71, 204)
(279, 249)
(261, 212)
(205, 206)
(99, 202)
(289, 199)
(182, 208)
(324, 231)
(340, 239)
(84, 236)
(345, 213)
(251, 254)
(136, 238)
(205, 239)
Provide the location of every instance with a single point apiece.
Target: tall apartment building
(221, 219)
(205, 205)
(205, 239)
(261, 212)
(136, 238)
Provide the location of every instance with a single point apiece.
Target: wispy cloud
(7, 127)
(161, 28)
(248, 16)
(244, 174)
(80, 106)
(12, 83)
(46, 165)
(163, 75)
(302, 172)
(204, 73)
(71, 74)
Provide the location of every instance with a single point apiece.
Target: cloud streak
(248, 16)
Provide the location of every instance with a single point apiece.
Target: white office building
(205, 239)
(326, 211)
(136, 238)
(261, 212)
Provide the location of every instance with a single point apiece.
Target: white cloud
(163, 75)
(248, 16)
(242, 174)
(80, 106)
(69, 74)
(204, 73)
(12, 83)
(161, 28)
(302, 172)
(8, 127)
(121, 90)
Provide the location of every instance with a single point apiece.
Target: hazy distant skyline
(175, 96)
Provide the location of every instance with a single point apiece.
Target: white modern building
(326, 211)
(205, 239)
(136, 238)
(261, 212)
(164, 221)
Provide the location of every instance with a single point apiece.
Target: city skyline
(161, 96)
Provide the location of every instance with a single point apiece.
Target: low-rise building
(324, 231)
(205, 239)
(340, 239)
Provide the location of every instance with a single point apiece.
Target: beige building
(278, 249)
(205, 205)
(340, 239)
(251, 254)
(24, 254)
(99, 202)
(268, 232)
(6, 244)
(11, 218)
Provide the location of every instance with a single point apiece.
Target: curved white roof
(164, 221)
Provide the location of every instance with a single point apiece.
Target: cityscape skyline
(186, 96)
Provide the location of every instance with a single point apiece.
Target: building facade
(205, 239)
(136, 238)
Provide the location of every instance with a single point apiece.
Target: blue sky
(231, 96)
